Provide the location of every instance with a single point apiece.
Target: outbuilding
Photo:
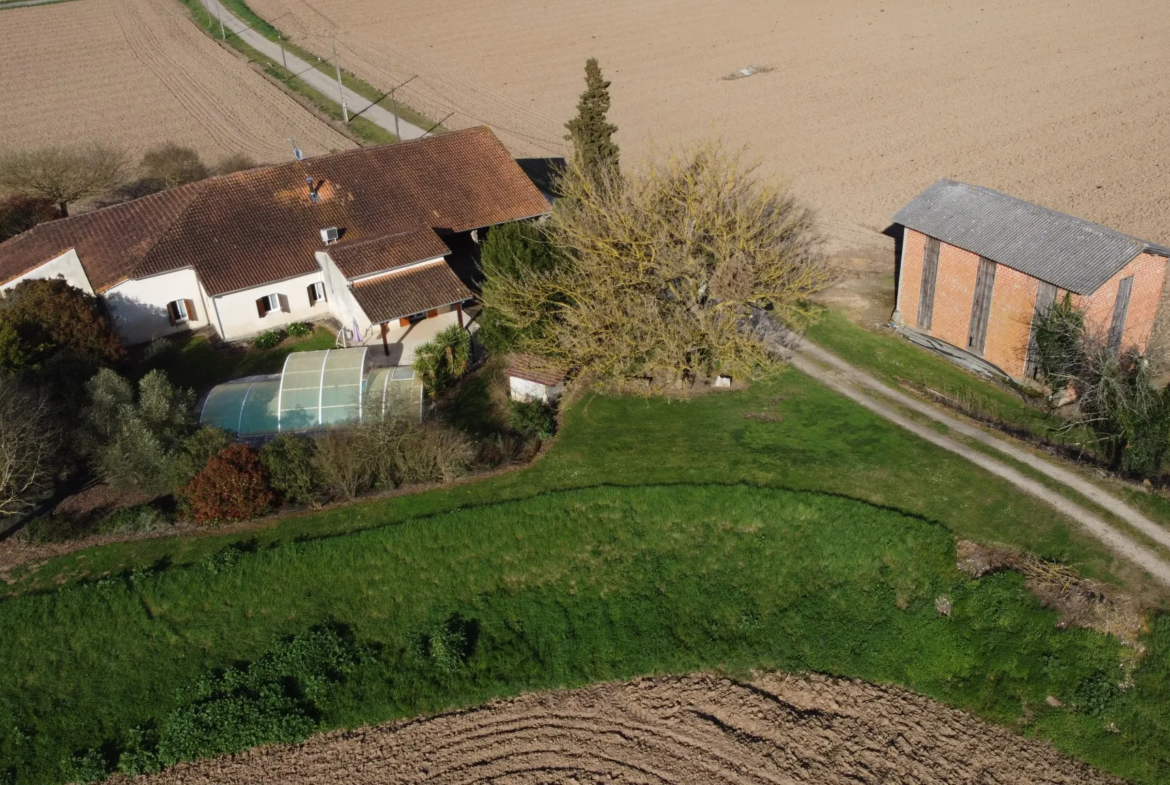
(532, 378)
(977, 266)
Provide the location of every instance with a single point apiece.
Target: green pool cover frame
(315, 390)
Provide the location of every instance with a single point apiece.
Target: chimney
(312, 189)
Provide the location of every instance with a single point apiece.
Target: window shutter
(280, 298)
(312, 294)
(404, 321)
(432, 314)
(262, 307)
(171, 314)
(191, 317)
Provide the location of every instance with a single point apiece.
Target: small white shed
(534, 379)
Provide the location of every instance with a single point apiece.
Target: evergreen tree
(590, 131)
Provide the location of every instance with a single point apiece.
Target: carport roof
(1069, 252)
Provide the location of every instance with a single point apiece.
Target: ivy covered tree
(590, 131)
(510, 251)
(49, 317)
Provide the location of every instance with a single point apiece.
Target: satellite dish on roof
(300, 156)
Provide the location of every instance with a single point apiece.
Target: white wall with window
(341, 302)
(165, 304)
(245, 313)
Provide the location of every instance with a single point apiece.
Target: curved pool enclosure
(314, 390)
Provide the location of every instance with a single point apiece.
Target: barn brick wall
(1014, 300)
(1149, 274)
(913, 250)
(1009, 326)
(954, 294)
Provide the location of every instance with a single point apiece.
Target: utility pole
(219, 13)
(340, 89)
(394, 102)
(283, 61)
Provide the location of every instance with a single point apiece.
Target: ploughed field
(139, 73)
(867, 102)
(697, 730)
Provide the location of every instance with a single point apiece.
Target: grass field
(575, 587)
(896, 361)
(789, 433)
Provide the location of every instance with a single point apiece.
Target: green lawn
(781, 526)
(894, 360)
(575, 587)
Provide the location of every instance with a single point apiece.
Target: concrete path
(325, 84)
(853, 383)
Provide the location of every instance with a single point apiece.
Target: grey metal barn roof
(1069, 252)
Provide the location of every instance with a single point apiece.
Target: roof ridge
(198, 194)
(1083, 222)
(343, 245)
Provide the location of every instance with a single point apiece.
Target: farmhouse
(380, 238)
(977, 266)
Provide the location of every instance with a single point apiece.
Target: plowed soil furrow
(779, 730)
(139, 73)
(865, 103)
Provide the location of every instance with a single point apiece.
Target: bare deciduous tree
(30, 438)
(662, 268)
(172, 165)
(63, 174)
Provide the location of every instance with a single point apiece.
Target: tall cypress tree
(590, 131)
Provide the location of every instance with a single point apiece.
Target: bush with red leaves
(233, 486)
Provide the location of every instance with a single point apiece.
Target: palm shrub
(233, 486)
(443, 360)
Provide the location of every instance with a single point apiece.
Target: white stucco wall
(524, 390)
(67, 265)
(341, 301)
(138, 308)
(236, 312)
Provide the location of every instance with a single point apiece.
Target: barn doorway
(981, 307)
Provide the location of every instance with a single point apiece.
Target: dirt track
(696, 730)
(139, 73)
(1058, 101)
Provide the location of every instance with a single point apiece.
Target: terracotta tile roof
(384, 253)
(410, 291)
(535, 369)
(254, 227)
(111, 242)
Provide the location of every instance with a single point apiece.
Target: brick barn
(977, 265)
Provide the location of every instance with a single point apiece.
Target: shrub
(435, 452)
(50, 528)
(340, 463)
(300, 330)
(289, 461)
(21, 213)
(134, 520)
(51, 316)
(235, 162)
(532, 419)
(268, 339)
(275, 699)
(172, 165)
(232, 487)
(198, 449)
(138, 444)
(159, 347)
